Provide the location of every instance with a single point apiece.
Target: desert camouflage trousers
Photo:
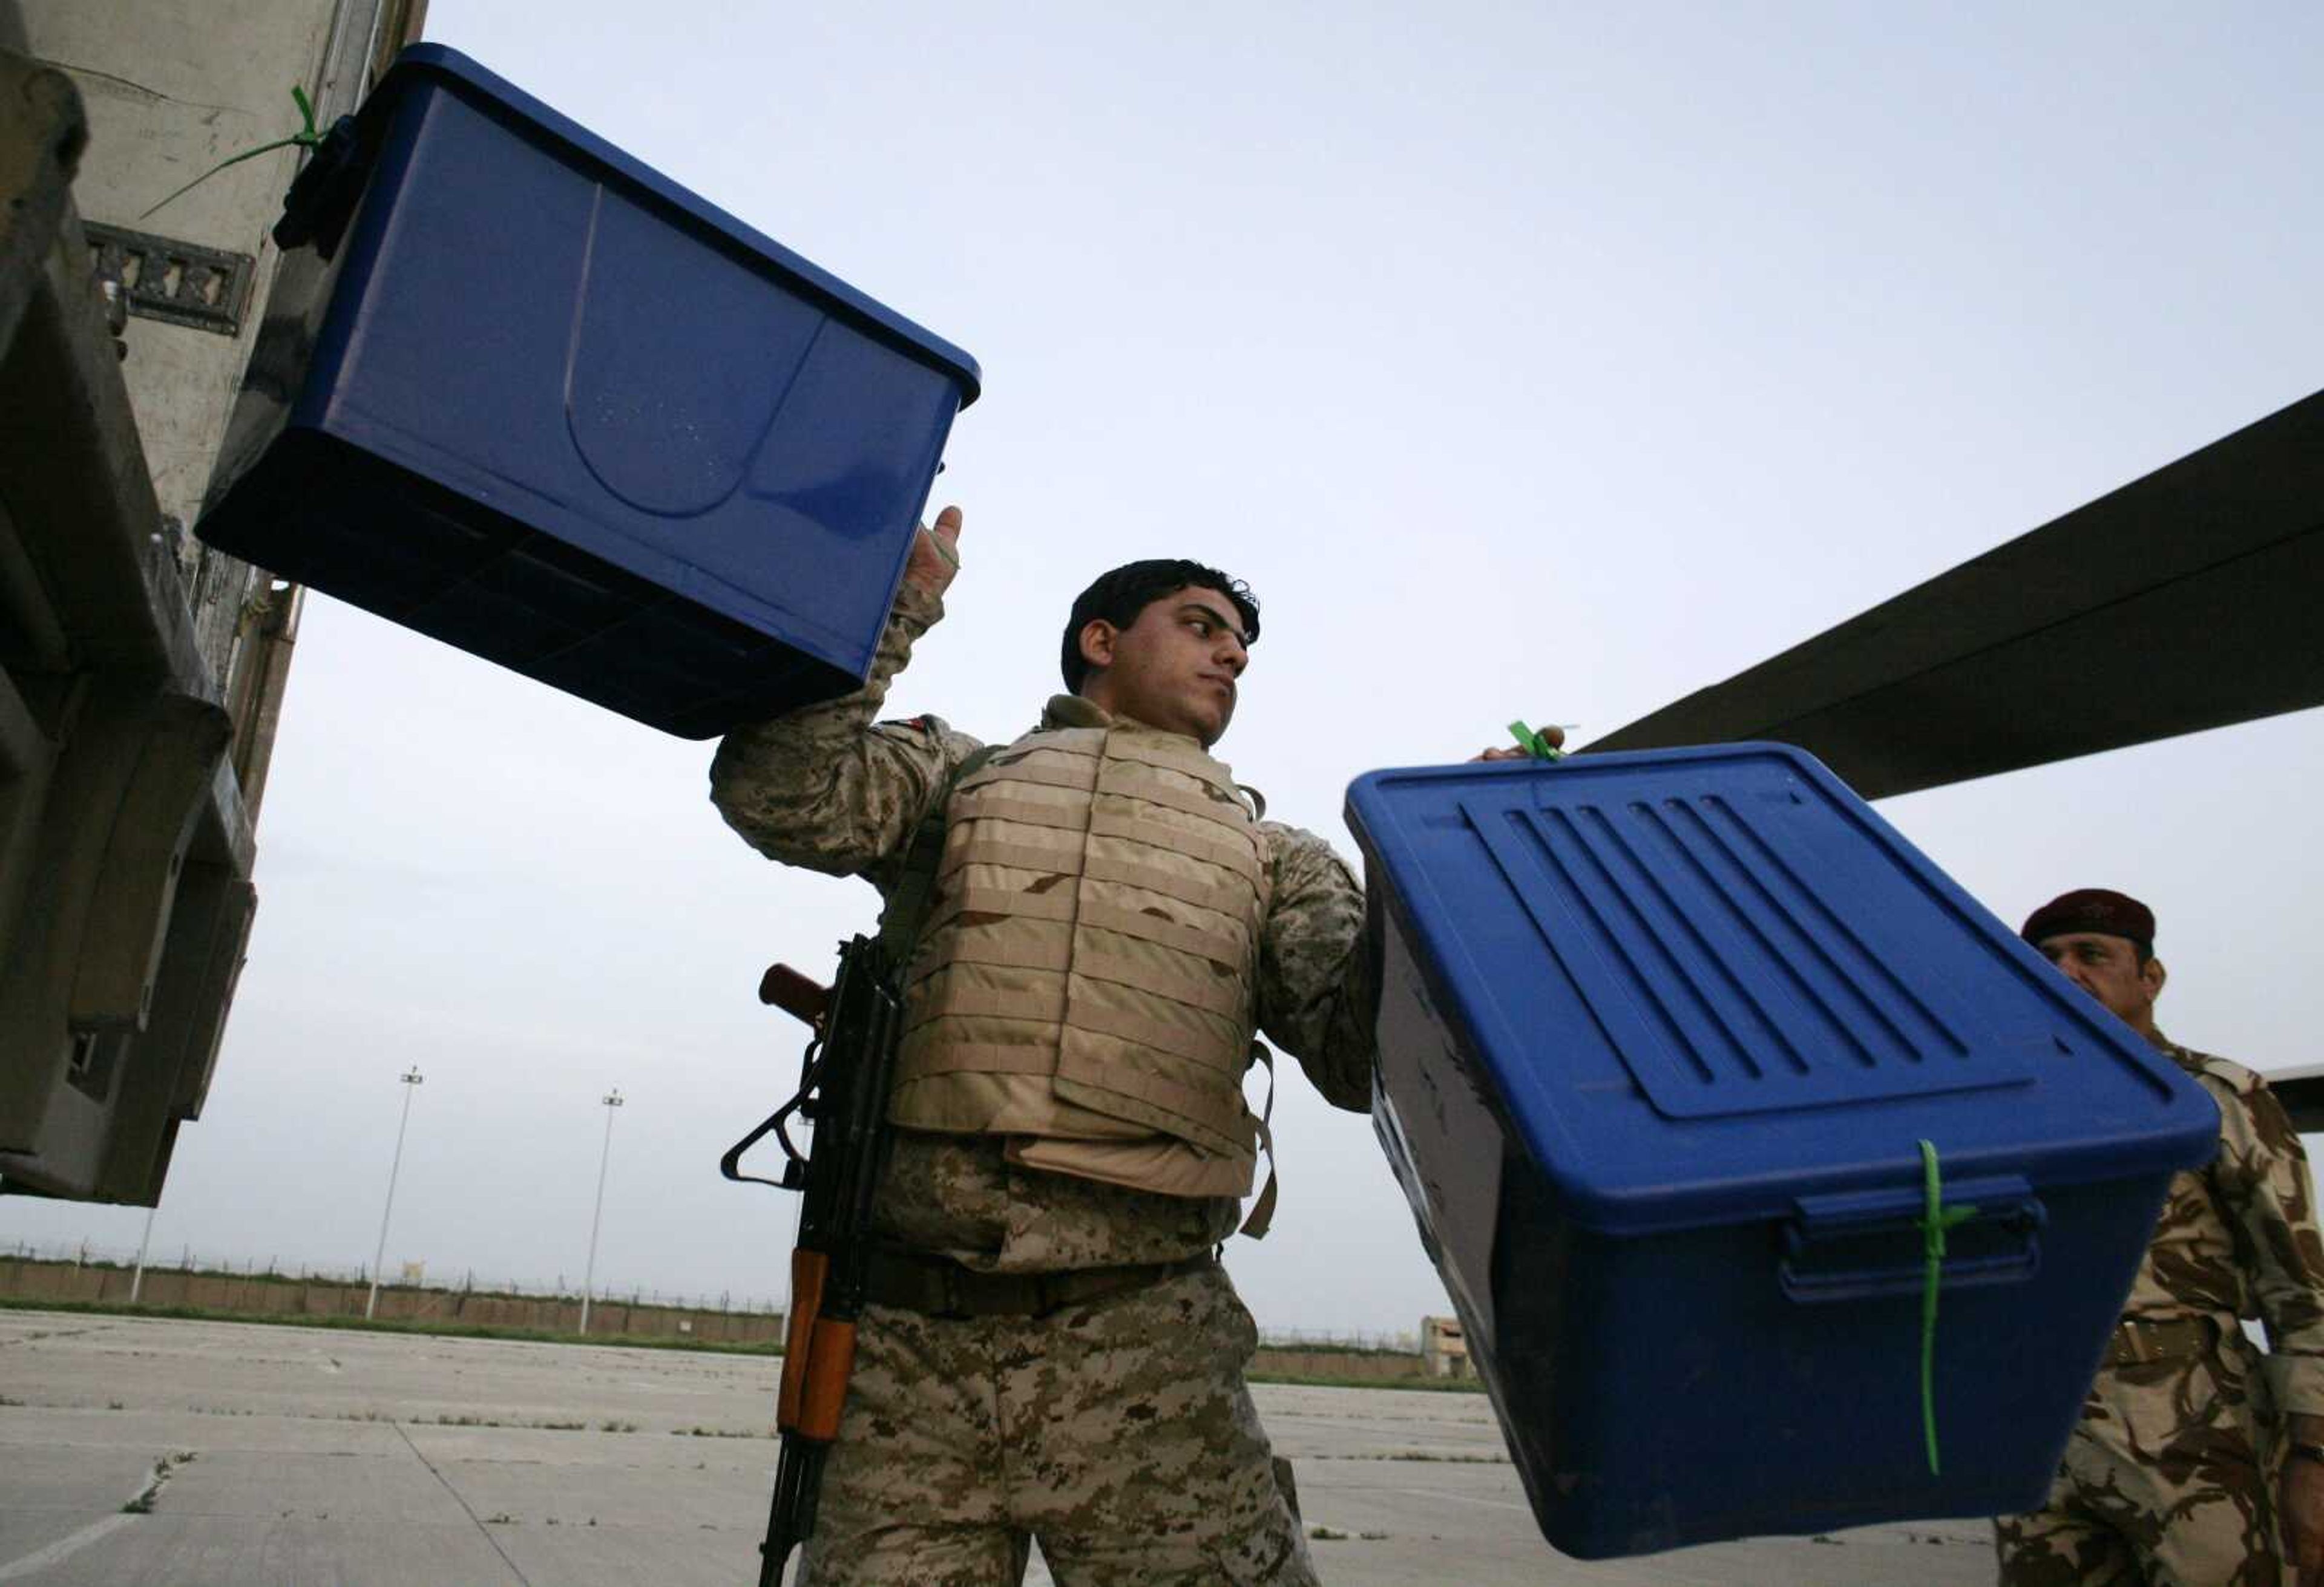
(1119, 1433)
(2165, 1482)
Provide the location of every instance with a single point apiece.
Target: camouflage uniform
(1118, 1431)
(2171, 1476)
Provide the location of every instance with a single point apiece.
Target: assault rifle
(843, 1092)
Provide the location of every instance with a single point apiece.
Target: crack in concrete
(142, 1504)
(50, 1334)
(139, 1503)
(458, 1500)
(149, 95)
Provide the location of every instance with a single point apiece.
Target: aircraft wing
(2302, 1092)
(2183, 601)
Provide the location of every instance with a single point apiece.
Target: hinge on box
(183, 283)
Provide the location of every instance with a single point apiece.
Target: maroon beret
(2091, 908)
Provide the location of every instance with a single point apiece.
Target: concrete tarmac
(178, 1453)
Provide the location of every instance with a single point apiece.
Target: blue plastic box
(1659, 1037)
(521, 393)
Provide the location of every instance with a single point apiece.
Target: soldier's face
(1176, 667)
(2107, 968)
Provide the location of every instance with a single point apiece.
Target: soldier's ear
(2153, 973)
(1097, 641)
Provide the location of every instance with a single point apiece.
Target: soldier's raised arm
(826, 786)
(1316, 988)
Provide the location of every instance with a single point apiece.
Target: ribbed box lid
(1703, 984)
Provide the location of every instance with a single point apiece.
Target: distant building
(1444, 1348)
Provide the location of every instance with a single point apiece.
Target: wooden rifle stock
(808, 1269)
(785, 988)
(818, 1354)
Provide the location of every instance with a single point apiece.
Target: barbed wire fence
(1379, 1343)
(469, 1281)
(410, 1275)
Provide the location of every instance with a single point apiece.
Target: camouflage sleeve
(1316, 991)
(827, 788)
(2261, 1176)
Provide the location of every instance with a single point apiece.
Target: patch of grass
(500, 1518)
(142, 1504)
(1327, 1534)
(1331, 1347)
(1432, 1456)
(1411, 1385)
(467, 1419)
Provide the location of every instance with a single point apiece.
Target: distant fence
(86, 1274)
(408, 1276)
(1368, 1366)
(1381, 1344)
(275, 1294)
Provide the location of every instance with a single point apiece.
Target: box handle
(323, 194)
(1868, 1243)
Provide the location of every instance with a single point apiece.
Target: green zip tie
(1533, 743)
(1934, 1220)
(307, 139)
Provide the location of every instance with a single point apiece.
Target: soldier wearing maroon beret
(2199, 1462)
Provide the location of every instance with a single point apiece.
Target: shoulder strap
(1262, 1211)
(913, 893)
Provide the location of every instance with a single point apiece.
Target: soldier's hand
(1551, 735)
(2303, 1518)
(936, 555)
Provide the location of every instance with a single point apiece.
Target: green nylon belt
(1934, 1220)
(1533, 743)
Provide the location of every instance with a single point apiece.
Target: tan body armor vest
(1087, 982)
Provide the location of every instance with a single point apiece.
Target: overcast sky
(1528, 359)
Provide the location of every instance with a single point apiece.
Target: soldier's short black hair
(1118, 596)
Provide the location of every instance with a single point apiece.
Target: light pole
(612, 1099)
(410, 1079)
(137, 1278)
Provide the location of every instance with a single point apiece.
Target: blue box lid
(1703, 984)
(450, 66)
